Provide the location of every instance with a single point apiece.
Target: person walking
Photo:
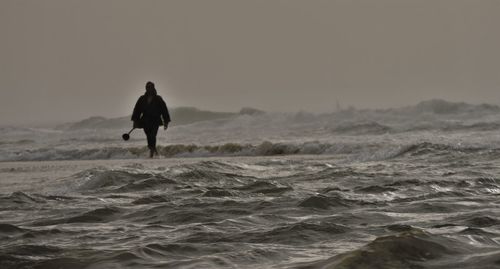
(150, 112)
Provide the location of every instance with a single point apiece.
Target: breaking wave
(362, 152)
(362, 128)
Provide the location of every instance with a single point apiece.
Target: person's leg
(148, 131)
(151, 131)
(154, 132)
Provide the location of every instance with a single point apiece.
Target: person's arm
(136, 115)
(164, 113)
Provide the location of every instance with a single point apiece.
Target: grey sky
(67, 59)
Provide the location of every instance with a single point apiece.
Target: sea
(411, 187)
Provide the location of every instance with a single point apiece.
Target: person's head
(150, 88)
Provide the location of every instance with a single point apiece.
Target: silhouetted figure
(148, 113)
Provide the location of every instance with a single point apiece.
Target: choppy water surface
(428, 207)
(414, 188)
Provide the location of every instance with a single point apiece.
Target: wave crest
(359, 151)
(405, 250)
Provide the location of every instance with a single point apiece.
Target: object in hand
(127, 135)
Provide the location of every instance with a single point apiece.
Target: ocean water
(417, 187)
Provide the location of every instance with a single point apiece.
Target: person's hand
(136, 124)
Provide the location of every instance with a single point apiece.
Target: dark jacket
(150, 114)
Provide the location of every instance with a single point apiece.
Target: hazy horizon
(340, 108)
(69, 60)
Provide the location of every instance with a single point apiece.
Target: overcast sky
(68, 60)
